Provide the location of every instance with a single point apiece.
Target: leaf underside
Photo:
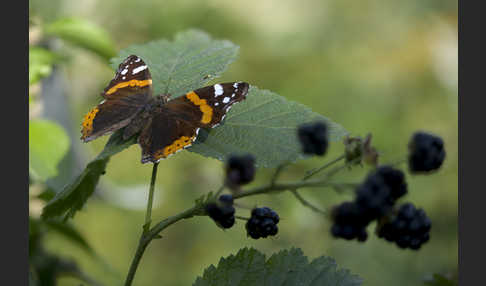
(288, 267)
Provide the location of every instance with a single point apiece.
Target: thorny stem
(198, 210)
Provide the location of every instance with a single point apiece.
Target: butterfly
(165, 126)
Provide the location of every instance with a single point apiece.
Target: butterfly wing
(164, 135)
(126, 95)
(175, 125)
(211, 102)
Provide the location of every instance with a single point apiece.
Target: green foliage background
(388, 68)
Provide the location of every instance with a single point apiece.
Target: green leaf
(74, 195)
(265, 125)
(84, 34)
(184, 64)
(40, 64)
(48, 143)
(288, 267)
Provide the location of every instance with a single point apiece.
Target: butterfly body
(165, 125)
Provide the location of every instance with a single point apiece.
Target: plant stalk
(148, 213)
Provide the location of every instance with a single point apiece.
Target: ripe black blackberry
(349, 222)
(313, 138)
(262, 223)
(395, 180)
(408, 228)
(240, 170)
(373, 198)
(222, 212)
(426, 152)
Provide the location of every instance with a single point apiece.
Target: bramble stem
(143, 242)
(315, 171)
(198, 210)
(148, 213)
(307, 203)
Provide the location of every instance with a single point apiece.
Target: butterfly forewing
(126, 95)
(132, 76)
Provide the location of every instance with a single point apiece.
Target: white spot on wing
(103, 101)
(124, 71)
(137, 60)
(124, 77)
(139, 69)
(197, 131)
(226, 100)
(233, 95)
(235, 85)
(216, 104)
(218, 90)
(228, 108)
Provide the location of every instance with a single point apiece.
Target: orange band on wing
(133, 82)
(88, 122)
(174, 147)
(203, 106)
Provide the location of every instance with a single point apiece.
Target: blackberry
(408, 228)
(262, 223)
(348, 222)
(395, 180)
(240, 170)
(426, 152)
(222, 212)
(373, 198)
(313, 138)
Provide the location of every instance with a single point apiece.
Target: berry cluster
(408, 228)
(374, 199)
(222, 212)
(426, 152)
(348, 222)
(313, 138)
(262, 223)
(240, 170)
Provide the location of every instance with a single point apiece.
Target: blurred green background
(385, 67)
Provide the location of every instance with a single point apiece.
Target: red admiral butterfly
(166, 125)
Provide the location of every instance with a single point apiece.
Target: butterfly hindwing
(126, 95)
(164, 135)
